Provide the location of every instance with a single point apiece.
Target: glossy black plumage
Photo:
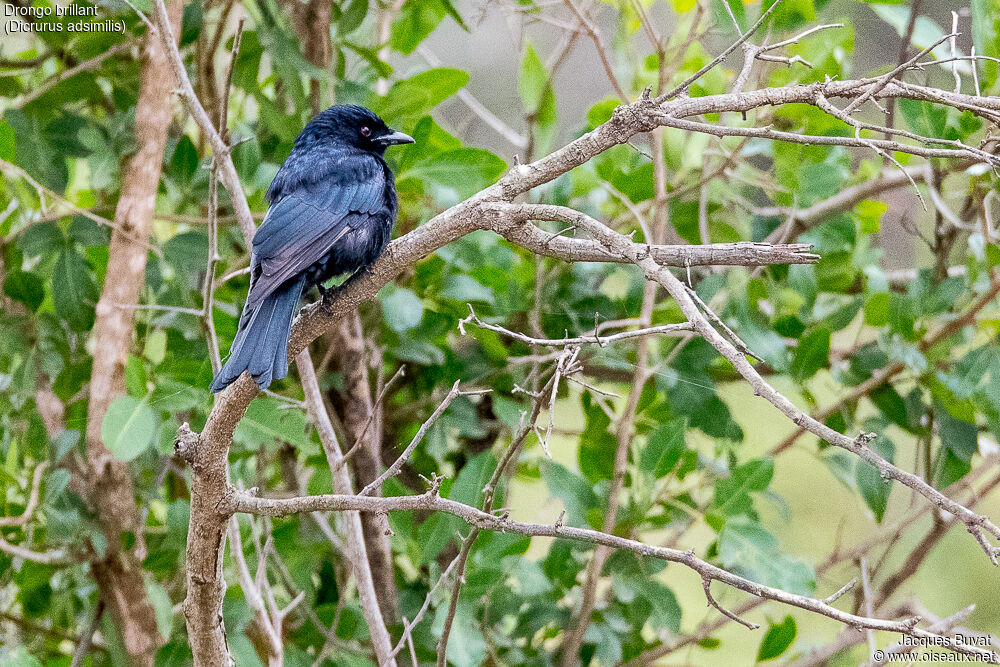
(333, 204)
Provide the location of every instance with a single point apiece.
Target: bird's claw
(325, 293)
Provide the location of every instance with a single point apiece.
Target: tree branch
(485, 210)
(357, 552)
(237, 501)
(976, 524)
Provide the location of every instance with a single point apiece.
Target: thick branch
(744, 253)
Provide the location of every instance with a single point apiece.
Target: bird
(332, 206)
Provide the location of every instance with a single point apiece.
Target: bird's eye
(366, 131)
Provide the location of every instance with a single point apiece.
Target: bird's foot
(327, 294)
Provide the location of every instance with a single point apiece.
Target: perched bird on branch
(333, 203)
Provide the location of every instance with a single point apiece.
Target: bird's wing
(304, 225)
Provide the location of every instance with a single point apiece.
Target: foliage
(820, 330)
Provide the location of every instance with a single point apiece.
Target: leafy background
(700, 471)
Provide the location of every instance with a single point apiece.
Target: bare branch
(663, 329)
(85, 66)
(51, 557)
(884, 80)
(356, 550)
(615, 242)
(595, 35)
(400, 372)
(29, 507)
(432, 501)
(421, 432)
(722, 56)
(252, 592)
(743, 253)
(486, 211)
(707, 585)
(409, 625)
(219, 147)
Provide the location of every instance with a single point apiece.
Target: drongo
(332, 206)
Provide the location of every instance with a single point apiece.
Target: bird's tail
(261, 343)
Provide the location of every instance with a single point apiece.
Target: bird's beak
(394, 138)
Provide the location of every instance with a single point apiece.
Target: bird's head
(351, 125)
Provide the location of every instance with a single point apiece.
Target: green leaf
(464, 288)
(6, 141)
(666, 609)
(17, 657)
(532, 80)
(891, 404)
(402, 310)
(596, 454)
(41, 238)
(416, 21)
(835, 272)
(467, 170)
(187, 253)
(86, 232)
(411, 98)
(720, 13)
(870, 213)
(25, 287)
(74, 292)
(811, 354)
(184, 163)
(732, 494)
(576, 494)
(162, 606)
(749, 550)
(664, 449)
(986, 36)
(352, 17)
(602, 111)
(128, 427)
(958, 435)
(267, 420)
(777, 640)
(924, 118)
(877, 309)
(875, 490)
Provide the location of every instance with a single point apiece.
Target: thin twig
(722, 56)
(29, 507)
(409, 625)
(86, 639)
(601, 340)
(421, 432)
(400, 372)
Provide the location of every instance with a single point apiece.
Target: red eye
(366, 131)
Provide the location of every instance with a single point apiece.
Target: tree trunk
(367, 462)
(119, 574)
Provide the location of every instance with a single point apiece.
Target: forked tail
(261, 343)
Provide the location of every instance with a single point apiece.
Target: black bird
(333, 203)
